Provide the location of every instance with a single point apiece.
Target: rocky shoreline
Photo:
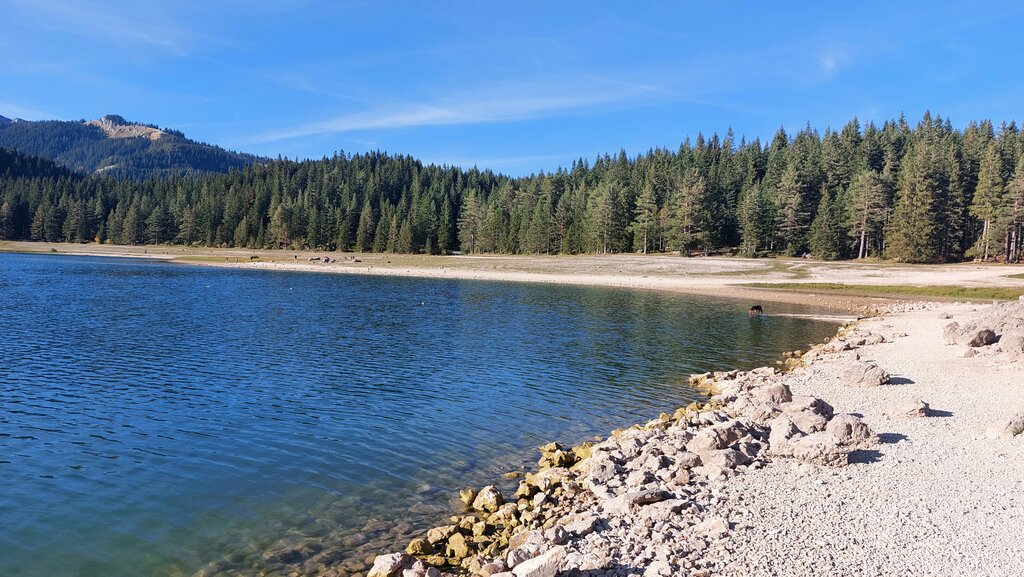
(658, 498)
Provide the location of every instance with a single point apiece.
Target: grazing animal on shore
(756, 311)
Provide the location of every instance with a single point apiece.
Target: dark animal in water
(756, 311)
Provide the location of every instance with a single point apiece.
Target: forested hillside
(88, 148)
(923, 194)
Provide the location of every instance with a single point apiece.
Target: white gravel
(938, 497)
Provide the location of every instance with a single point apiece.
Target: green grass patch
(936, 292)
(773, 266)
(1021, 276)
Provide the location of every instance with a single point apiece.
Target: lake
(160, 419)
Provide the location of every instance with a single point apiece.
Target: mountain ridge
(120, 148)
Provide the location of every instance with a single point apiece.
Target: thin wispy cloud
(137, 23)
(12, 110)
(495, 107)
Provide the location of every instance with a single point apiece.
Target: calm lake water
(158, 418)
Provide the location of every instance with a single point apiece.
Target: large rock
(390, 565)
(863, 374)
(545, 565)
(712, 527)
(819, 449)
(488, 499)
(718, 436)
(807, 403)
(726, 458)
(851, 432)
(419, 547)
(911, 409)
(1009, 429)
(777, 393)
(978, 338)
(951, 332)
(441, 534)
(783, 429)
(458, 547)
(808, 422)
(1012, 344)
(626, 504)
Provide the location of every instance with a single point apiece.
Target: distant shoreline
(722, 277)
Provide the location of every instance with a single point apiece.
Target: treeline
(86, 149)
(923, 194)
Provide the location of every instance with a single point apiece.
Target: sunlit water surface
(157, 419)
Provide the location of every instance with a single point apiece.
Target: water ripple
(159, 417)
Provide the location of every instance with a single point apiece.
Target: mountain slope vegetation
(118, 148)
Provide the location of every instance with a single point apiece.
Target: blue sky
(515, 87)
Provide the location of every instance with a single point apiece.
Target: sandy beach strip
(722, 277)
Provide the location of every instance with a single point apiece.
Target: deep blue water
(155, 418)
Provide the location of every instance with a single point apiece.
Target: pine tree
(471, 220)
(644, 217)
(827, 235)
(791, 218)
(989, 200)
(160, 223)
(6, 220)
(757, 221)
(539, 231)
(1015, 222)
(912, 231)
(867, 208)
(689, 215)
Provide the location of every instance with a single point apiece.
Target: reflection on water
(156, 418)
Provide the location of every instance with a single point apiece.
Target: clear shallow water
(155, 418)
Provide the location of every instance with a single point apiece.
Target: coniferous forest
(923, 193)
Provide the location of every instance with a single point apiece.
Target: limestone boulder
(820, 449)
(863, 374)
(852, 432)
(777, 393)
(1009, 428)
(488, 499)
(911, 409)
(808, 403)
(978, 337)
(390, 565)
(1012, 344)
(547, 564)
(718, 436)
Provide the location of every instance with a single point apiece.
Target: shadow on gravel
(865, 456)
(891, 438)
(900, 381)
(623, 570)
(938, 413)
